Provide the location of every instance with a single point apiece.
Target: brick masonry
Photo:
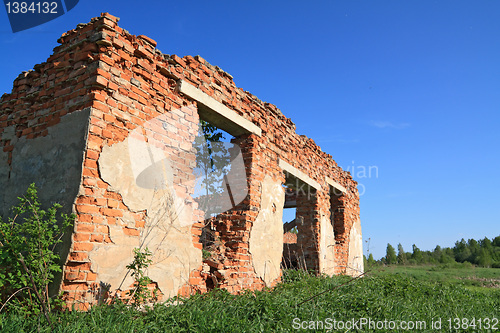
(119, 83)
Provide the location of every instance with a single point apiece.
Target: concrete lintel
(299, 174)
(336, 185)
(217, 113)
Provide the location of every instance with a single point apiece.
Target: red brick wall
(127, 81)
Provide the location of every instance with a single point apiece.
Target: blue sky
(408, 88)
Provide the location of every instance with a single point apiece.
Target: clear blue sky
(409, 88)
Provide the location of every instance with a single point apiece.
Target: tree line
(484, 253)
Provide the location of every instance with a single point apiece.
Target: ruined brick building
(107, 113)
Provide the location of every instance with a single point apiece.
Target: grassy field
(403, 295)
(459, 274)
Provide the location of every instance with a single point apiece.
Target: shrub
(142, 259)
(28, 261)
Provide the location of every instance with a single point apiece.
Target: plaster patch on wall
(355, 264)
(327, 246)
(111, 260)
(53, 162)
(116, 168)
(266, 236)
(167, 233)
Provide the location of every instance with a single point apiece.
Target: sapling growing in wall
(142, 259)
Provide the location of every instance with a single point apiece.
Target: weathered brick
(84, 227)
(83, 247)
(102, 229)
(96, 238)
(131, 232)
(89, 209)
(91, 276)
(111, 212)
(78, 256)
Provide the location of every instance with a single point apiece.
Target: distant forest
(483, 253)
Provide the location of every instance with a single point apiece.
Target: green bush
(28, 261)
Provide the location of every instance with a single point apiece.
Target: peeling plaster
(355, 264)
(327, 247)
(167, 233)
(53, 162)
(266, 236)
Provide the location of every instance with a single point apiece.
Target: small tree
(484, 258)
(390, 257)
(212, 164)
(401, 255)
(371, 262)
(28, 261)
(142, 259)
(496, 241)
(417, 255)
(437, 253)
(461, 251)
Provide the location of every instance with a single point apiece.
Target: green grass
(392, 294)
(459, 274)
